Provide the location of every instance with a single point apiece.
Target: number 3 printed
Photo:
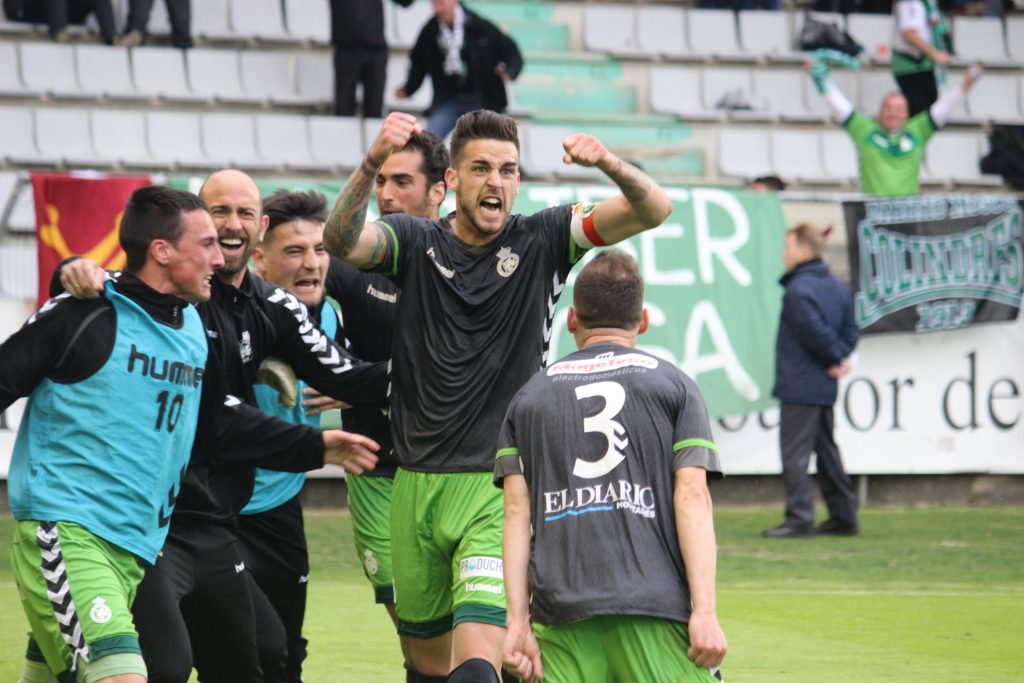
(614, 398)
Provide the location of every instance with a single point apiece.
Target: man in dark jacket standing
(469, 60)
(817, 333)
(360, 55)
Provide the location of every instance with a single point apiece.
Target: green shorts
(76, 590)
(369, 501)
(618, 649)
(446, 543)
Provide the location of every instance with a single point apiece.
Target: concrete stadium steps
(566, 98)
(570, 66)
(536, 35)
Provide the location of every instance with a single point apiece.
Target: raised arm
(641, 206)
(347, 235)
(841, 106)
(952, 97)
(696, 533)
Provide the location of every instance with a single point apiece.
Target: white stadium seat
(160, 72)
(336, 140)
(744, 153)
(231, 140)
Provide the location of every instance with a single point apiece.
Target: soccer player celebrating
(604, 458)
(411, 181)
(93, 485)
(479, 288)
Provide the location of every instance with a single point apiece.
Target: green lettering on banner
(711, 276)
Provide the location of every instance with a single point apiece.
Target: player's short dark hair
(483, 124)
(771, 182)
(810, 236)
(298, 205)
(435, 155)
(152, 213)
(609, 292)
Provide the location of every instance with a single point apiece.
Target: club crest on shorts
(370, 562)
(507, 261)
(100, 612)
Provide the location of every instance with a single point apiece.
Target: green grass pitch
(932, 594)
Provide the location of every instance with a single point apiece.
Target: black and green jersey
(890, 165)
(473, 327)
(598, 436)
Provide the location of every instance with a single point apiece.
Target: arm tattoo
(635, 186)
(378, 249)
(343, 226)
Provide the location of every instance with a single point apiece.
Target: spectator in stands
(469, 61)
(767, 183)
(178, 11)
(921, 49)
(59, 13)
(360, 55)
(817, 334)
(890, 150)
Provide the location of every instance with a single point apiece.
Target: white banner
(933, 403)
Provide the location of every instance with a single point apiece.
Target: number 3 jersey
(598, 436)
(108, 450)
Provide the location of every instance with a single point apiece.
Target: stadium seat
(782, 91)
(994, 98)
(796, 155)
(766, 34)
(1015, 38)
(160, 24)
(406, 23)
(285, 139)
(308, 20)
(11, 84)
(979, 39)
(174, 138)
(611, 29)
(270, 75)
(17, 144)
(17, 196)
(210, 20)
(215, 75)
(542, 153)
(120, 136)
(744, 153)
(160, 72)
(336, 140)
(50, 68)
(105, 71)
(398, 70)
(230, 140)
(370, 129)
(63, 135)
(954, 156)
(315, 76)
(873, 86)
(661, 31)
(713, 32)
(676, 90)
(874, 32)
(258, 19)
(839, 156)
(722, 85)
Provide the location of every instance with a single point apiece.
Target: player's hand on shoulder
(354, 452)
(707, 641)
(583, 150)
(521, 653)
(82, 278)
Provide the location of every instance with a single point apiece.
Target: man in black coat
(469, 60)
(360, 55)
(817, 333)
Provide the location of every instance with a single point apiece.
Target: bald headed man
(198, 605)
